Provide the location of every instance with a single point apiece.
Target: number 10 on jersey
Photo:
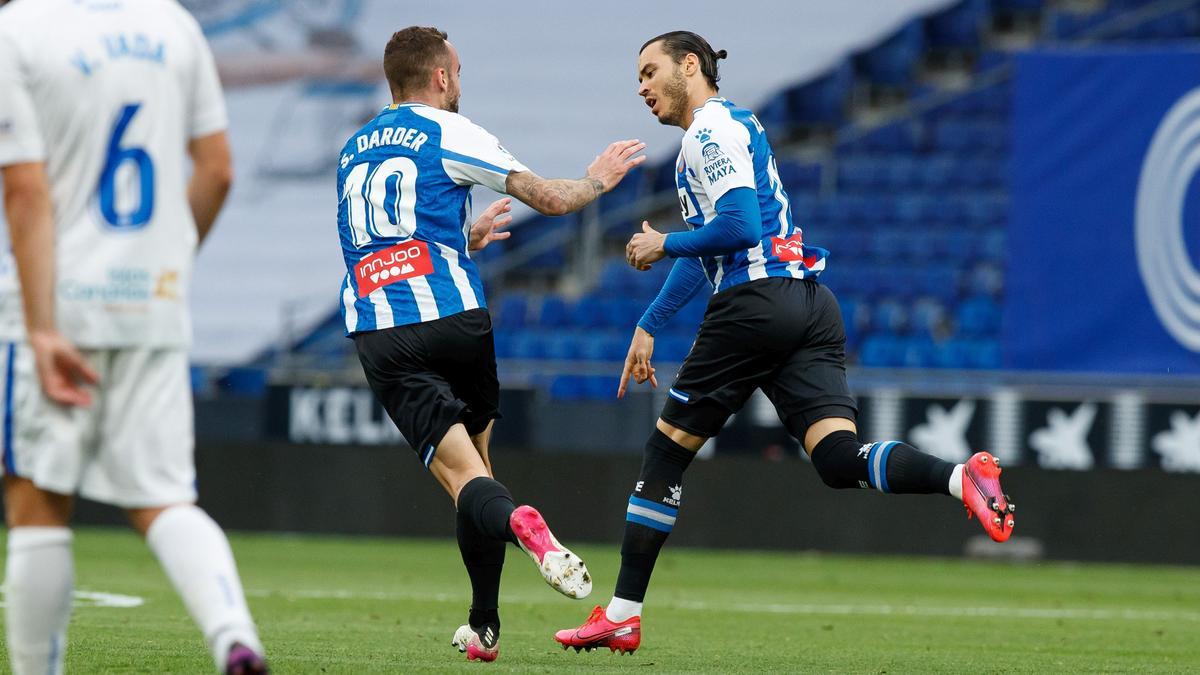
(381, 200)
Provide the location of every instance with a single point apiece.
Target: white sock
(195, 554)
(956, 482)
(39, 576)
(620, 609)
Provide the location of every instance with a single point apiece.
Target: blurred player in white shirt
(101, 103)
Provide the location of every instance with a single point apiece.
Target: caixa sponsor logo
(402, 261)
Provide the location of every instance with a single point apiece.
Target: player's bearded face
(675, 92)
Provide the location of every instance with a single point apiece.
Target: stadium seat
(880, 351)
(567, 388)
(978, 316)
(891, 62)
(823, 100)
(553, 312)
(958, 27)
(511, 311)
(244, 381)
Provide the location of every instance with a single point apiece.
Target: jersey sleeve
(472, 156)
(207, 114)
(720, 151)
(20, 135)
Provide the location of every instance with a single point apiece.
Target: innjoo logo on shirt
(402, 261)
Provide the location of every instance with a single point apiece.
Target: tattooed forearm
(553, 197)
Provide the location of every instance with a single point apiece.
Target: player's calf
(843, 461)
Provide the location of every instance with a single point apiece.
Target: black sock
(484, 559)
(888, 466)
(651, 513)
(487, 504)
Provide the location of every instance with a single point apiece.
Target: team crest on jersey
(791, 249)
(711, 152)
(402, 261)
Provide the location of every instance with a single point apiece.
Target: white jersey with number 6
(108, 93)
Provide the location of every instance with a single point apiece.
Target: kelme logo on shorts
(402, 261)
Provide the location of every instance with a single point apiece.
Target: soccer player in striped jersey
(414, 305)
(768, 325)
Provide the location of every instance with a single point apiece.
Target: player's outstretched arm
(61, 368)
(212, 176)
(560, 196)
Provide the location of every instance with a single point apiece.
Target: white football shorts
(132, 448)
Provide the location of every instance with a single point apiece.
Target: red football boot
(983, 497)
(598, 631)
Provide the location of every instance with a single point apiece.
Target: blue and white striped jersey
(726, 148)
(404, 215)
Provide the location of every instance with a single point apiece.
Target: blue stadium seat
(891, 63)
(524, 345)
(567, 388)
(823, 100)
(588, 312)
(799, 177)
(1020, 5)
(890, 316)
(881, 351)
(511, 312)
(927, 317)
(561, 345)
(553, 312)
(244, 381)
(978, 316)
(953, 353)
(600, 387)
(985, 354)
(672, 348)
(916, 351)
(958, 27)
(503, 340)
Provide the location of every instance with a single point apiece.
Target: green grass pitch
(354, 605)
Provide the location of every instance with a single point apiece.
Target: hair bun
(721, 53)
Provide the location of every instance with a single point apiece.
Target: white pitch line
(1091, 614)
(101, 599)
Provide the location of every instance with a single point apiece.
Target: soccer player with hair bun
(769, 325)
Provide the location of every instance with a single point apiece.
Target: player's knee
(838, 460)
(680, 437)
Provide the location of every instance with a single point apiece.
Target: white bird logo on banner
(944, 433)
(1063, 443)
(1179, 446)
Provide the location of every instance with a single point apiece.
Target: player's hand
(487, 227)
(637, 362)
(645, 248)
(616, 160)
(63, 371)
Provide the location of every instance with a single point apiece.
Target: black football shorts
(782, 335)
(430, 376)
